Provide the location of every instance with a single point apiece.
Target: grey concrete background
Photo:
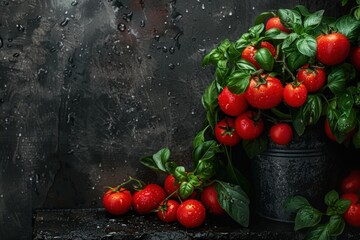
(88, 87)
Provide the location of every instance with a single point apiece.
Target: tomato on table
(191, 213)
(209, 196)
(148, 199)
(167, 210)
(117, 201)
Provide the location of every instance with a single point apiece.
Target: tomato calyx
(228, 130)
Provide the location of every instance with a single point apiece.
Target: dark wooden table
(96, 224)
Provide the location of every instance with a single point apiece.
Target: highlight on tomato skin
(232, 104)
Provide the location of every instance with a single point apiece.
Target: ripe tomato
(117, 201)
(332, 48)
(281, 133)
(191, 213)
(167, 211)
(351, 183)
(247, 126)
(249, 52)
(275, 22)
(209, 197)
(148, 199)
(225, 132)
(295, 96)
(355, 57)
(314, 78)
(352, 215)
(264, 95)
(232, 104)
(171, 186)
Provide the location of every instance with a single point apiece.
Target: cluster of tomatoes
(266, 92)
(350, 187)
(165, 202)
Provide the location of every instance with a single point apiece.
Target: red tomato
(352, 215)
(191, 213)
(225, 132)
(351, 183)
(148, 199)
(281, 133)
(232, 104)
(209, 197)
(355, 57)
(295, 96)
(314, 78)
(167, 211)
(332, 48)
(275, 22)
(117, 202)
(264, 95)
(247, 127)
(249, 52)
(171, 186)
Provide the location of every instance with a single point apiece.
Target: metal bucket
(302, 168)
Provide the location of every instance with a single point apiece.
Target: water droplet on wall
(171, 66)
(74, 3)
(121, 27)
(64, 22)
(20, 27)
(127, 16)
(142, 23)
(1, 42)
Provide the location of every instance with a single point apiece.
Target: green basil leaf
(238, 81)
(342, 205)
(347, 122)
(213, 57)
(336, 225)
(318, 233)
(221, 70)
(331, 197)
(257, 29)
(307, 217)
(242, 64)
(295, 203)
(158, 160)
(209, 98)
(345, 102)
(233, 53)
(307, 45)
(206, 168)
(312, 109)
(299, 123)
(275, 34)
(295, 60)
(254, 147)
(289, 43)
(313, 20)
(303, 10)
(234, 201)
(185, 190)
(344, 2)
(224, 45)
(265, 59)
(289, 17)
(200, 137)
(180, 174)
(205, 151)
(357, 13)
(348, 26)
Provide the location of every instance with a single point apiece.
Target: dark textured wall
(88, 87)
